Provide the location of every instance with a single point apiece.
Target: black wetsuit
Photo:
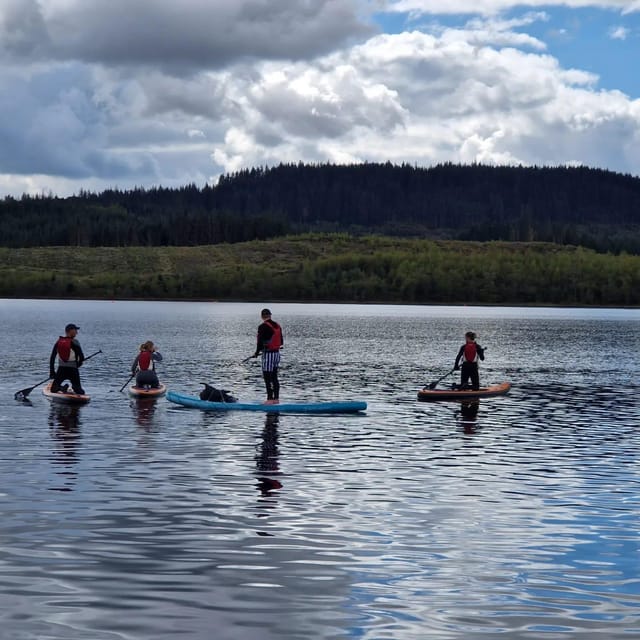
(67, 370)
(469, 369)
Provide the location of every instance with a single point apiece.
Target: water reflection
(64, 427)
(143, 411)
(267, 460)
(468, 415)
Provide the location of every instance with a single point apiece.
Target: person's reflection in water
(267, 464)
(469, 415)
(64, 427)
(143, 410)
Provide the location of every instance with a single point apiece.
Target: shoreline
(274, 301)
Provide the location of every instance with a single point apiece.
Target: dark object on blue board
(211, 394)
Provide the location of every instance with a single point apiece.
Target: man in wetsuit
(68, 353)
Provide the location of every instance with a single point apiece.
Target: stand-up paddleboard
(147, 392)
(285, 407)
(65, 398)
(427, 394)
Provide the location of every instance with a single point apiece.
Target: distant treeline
(330, 268)
(565, 205)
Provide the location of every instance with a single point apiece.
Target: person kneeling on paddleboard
(470, 353)
(269, 343)
(68, 354)
(143, 367)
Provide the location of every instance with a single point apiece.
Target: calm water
(516, 518)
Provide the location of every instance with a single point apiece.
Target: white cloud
(419, 98)
(618, 33)
(493, 7)
(485, 92)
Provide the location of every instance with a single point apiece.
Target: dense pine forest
(592, 208)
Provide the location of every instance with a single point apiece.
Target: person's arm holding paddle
(264, 333)
(134, 370)
(77, 349)
(456, 364)
(52, 361)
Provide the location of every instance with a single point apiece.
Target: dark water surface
(518, 517)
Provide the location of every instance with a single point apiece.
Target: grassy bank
(329, 267)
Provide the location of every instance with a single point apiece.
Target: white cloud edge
(494, 7)
(362, 114)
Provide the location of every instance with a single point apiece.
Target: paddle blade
(432, 385)
(24, 393)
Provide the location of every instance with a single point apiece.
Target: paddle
(93, 354)
(127, 382)
(247, 359)
(433, 384)
(24, 393)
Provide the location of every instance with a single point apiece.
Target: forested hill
(581, 206)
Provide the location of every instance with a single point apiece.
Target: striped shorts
(270, 360)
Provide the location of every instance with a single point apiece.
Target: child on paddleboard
(143, 366)
(470, 354)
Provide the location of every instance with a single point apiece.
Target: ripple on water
(515, 516)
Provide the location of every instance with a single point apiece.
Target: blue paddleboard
(286, 407)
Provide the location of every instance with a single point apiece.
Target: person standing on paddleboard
(69, 356)
(470, 354)
(270, 341)
(144, 368)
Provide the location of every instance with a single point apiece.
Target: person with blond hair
(143, 367)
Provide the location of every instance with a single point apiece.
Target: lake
(515, 517)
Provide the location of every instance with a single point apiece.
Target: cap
(265, 312)
(72, 326)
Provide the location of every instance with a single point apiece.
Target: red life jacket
(275, 342)
(470, 353)
(64, 348)
(145, 361)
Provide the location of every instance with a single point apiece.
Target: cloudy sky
(113, 93)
